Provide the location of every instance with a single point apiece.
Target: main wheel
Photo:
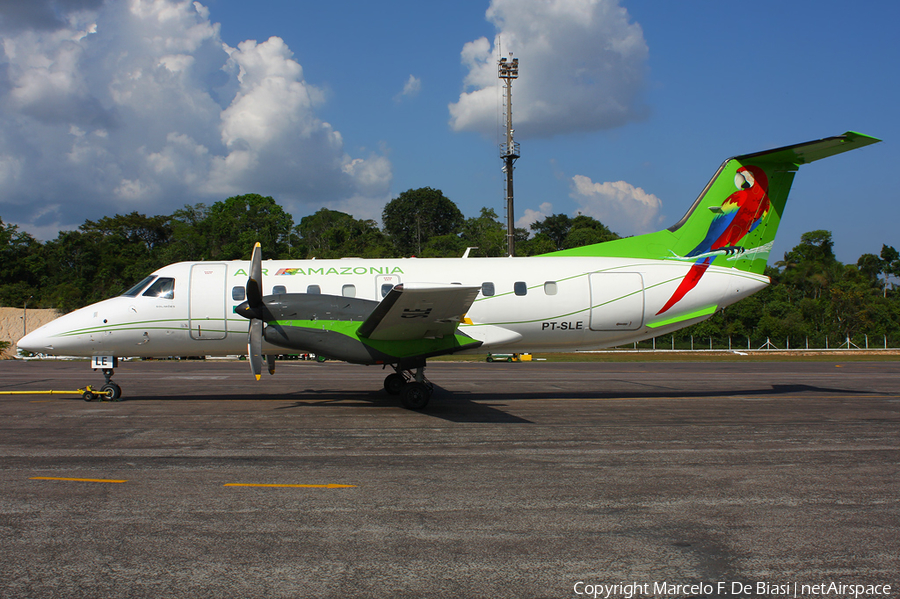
(112, 390)
(393, 383)
(415, 396)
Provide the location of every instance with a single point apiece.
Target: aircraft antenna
(509, 151)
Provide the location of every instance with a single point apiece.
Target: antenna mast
(509, 151)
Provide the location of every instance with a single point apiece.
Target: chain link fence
(681, 342)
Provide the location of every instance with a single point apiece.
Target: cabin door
(207, 301)
(617, 301)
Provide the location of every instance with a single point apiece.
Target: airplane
(400, 312)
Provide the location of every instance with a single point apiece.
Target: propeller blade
(254, 309)
(254, 347)
(254, 283)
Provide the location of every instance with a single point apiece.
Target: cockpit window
(163, 288)
(137, 288)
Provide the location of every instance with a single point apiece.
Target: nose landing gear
(113, 391)
(109, 390)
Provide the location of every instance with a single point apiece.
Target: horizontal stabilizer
(810, 151)
(418, 311)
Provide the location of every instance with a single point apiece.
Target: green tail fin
(734, 221)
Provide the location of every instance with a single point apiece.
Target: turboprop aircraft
(400, 312)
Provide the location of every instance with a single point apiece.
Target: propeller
(255, 310)
(254, 347)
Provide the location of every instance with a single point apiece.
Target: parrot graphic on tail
(740, 213)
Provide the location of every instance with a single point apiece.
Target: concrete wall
(13, 327)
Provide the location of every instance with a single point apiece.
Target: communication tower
(509, 151)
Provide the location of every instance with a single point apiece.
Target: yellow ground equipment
(509, 357)
(87, 394)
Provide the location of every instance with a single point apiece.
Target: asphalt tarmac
(519, 480)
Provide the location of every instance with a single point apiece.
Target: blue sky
(623, 110)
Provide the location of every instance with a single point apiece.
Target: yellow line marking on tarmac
(80, 480)
(328, 486)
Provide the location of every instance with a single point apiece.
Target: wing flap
(418, 311)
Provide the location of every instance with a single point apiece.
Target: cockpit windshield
(163, 288)
(137, 288)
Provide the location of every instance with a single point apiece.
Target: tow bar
(87, 394)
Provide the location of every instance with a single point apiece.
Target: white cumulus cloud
(139, 105)
(624, 208)
(532, 216)
(411, 89)
(582, 65)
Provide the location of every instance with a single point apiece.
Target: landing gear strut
(113, 391)
(110, 390)
(413, 388)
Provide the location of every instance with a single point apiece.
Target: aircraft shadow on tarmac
(447, 405)
(468, 406)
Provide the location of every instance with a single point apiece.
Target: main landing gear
(413, 388)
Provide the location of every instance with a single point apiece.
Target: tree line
(816, 299)
(105, 257)
(813, 295)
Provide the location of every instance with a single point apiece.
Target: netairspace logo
(794, 590)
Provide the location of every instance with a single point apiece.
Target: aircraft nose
(36, 342)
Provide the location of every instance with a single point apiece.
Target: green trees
(19, 265)
(563, 232)
(890, 264)
(333, 234)
(190, 235)
(486, 233)
(235, 225)
(104, 257)
(814, 297)
(417, 216)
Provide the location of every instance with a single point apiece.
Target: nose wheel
(110, 391)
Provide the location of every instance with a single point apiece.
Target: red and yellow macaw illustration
(740, 213)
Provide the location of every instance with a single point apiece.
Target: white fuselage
(526, 304)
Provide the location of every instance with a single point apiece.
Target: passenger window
(487, 289)
(520, 288)
(314, 290)
(238, 294)
(279, 290)
(550, 288)
(386, 288)
(348, 291)
(163, 288)
(137, 288)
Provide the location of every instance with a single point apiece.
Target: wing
(418, 311)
